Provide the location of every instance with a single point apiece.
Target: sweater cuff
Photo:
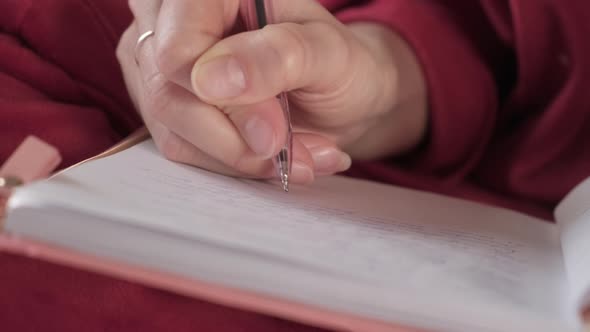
(461, 91)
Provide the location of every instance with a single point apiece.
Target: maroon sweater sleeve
(508, 85)
(59, 77)
(461, 86)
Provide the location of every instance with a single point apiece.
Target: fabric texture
(509, 116)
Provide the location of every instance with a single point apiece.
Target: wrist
(401, 98)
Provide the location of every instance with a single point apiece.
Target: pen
(259, 14)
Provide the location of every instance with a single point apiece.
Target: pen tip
(284, 177)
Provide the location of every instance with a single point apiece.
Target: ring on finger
(140, 42)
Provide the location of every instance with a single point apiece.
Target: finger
(175, 148)
(164, 102)
(201, 124)
(180, 150)
(130, 71)
(254, 66)
(162, 99)
(302, 165)
(133, 76)
(327, 158)
(213, 139)
(186, 29)
(264, 129)
(172, 146)
(145, 13)
(211, 131)
(262, 126)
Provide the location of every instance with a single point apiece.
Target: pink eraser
(34, 159)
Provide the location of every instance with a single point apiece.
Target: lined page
(396, 240)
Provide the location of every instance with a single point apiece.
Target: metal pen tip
(284, 180)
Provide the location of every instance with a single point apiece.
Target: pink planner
(322, 296)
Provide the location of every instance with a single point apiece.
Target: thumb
(254, 66)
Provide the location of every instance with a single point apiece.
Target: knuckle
(176, 51)
(164, 54)
(170, 55)
(158, 97)
(303, 50)
(288, 42)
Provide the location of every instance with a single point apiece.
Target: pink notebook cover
(215, 293)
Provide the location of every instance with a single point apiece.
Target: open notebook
(343, 253)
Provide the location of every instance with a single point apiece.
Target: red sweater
(509, 85)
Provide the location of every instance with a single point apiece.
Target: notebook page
(396, 240)
(573, 217)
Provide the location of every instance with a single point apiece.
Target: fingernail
(301, 173)
(330, 160)
(260, 136)
(220, 78)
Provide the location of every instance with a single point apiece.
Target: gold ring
(140, 41)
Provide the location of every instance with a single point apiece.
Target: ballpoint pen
(259, 14)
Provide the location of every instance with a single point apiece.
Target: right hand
(208, 96)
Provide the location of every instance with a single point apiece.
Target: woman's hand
(206, 88)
